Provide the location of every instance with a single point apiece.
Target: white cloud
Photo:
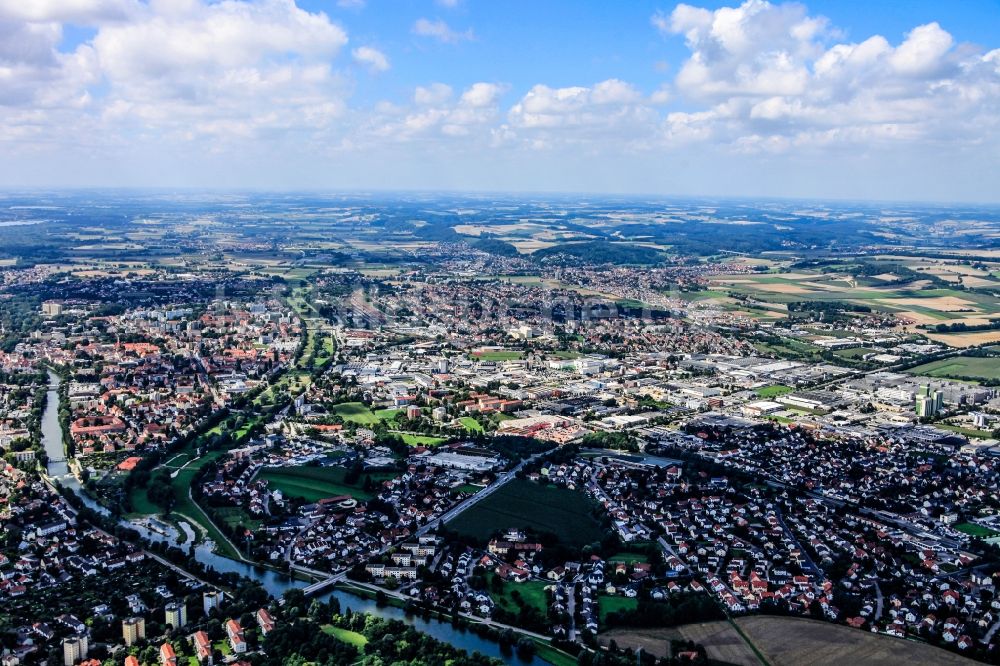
(226, 68)
(84, 12)
(440, 31)
(438, 115)
(771, 77)
(371, 58)
(434, 94)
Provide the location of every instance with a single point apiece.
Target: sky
(844, 99)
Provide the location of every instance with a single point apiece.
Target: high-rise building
(75, 648)
(176, 614)
(133, 629)
(210, 600)
(929, 402)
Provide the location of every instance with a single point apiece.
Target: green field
(386, 414)
(524, 504)
(612, 604)
(626, 556)
(421, 440)
(774, 391)
(346, 636)
(315, 483)
(975, 530)
(532, 593)
(501, 355)
(549, 654)
(968, 368)
(355, 412)
(471, 424)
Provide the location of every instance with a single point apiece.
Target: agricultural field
(787, 641)
(721, 640)
(315, 483)
(968, 368)
(525, 504)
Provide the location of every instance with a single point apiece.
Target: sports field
(968, 368)
(774, 391)
(975, 530)
(316, 483)
(525, 504)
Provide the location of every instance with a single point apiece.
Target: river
(275, 582)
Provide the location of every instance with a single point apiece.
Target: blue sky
(842, 99)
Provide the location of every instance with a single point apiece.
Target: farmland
(721, 640)
(316, 483)
(967, 368)
(787, 641)
(524, 504)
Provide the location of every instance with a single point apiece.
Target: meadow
(968, 368)
(525, 504)
(315, 483)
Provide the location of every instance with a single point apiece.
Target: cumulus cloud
(372, 58)
(771, 77)
(437, 114)
(441, 31)
(83, 12)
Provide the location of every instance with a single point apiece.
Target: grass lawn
(774, 391)
(316, 483)
(499, 355)
(346, 636)
(554, 656)
(975, 530)
(356, 412)
(968, 432)
(470, 424)
(532, 594)
(626, 556)
(386, 414)
(612, 604)
(234, 516)
(421, 440)
(961, 367)
(525, 504)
